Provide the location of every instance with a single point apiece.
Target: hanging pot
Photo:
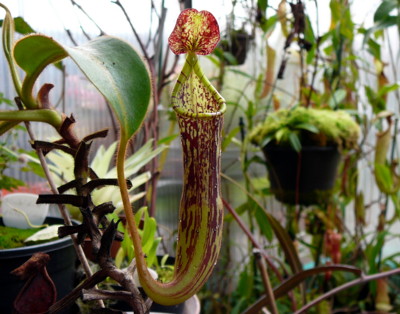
(303, 178)
(237, 43)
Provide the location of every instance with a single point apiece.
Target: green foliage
(150, 241)
(378, 99)
(21, 26)
(13, 237)
(61, 165)
(111, 64)
(301, 126)
(6, 159)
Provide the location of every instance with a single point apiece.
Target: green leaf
(139, 214)
(384, 10)
(306, 126)
(262, 4)
(295, 141)
(111, 64)
(347, 25)
(309, 32)
(282, 134)
(228, 138)
(120, 74)
(167, 140)
(337, 97)
(387, 89)
(263, 223)
(21, 26)
(5, 126)
(102, 160)
(33, 53)
(374, 48)
(374, 251)
(269, 23)
(149, 231)
(266, 140)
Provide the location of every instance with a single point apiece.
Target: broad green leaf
(152, 252)
(139, 214)
(119, 73)
(102, 160)
(149, 231)
(111, 64)
(33, 53)
(384, 10)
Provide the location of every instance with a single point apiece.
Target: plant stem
(251, 238)
(384, 211)
(359, 281)
(269, 293)
(49, 116)
(67, 220)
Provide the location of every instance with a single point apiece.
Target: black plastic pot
(237, 44)
(303, 178)
(61, 267)
(155, 307)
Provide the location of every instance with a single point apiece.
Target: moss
(14, 237)
(331, 127)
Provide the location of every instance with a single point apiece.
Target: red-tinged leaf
(194, 31)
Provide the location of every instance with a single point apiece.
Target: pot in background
(304, 178)
(17, 205)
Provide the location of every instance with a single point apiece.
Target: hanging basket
(303, 178)
(237, 43)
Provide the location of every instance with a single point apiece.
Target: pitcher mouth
(201, 115)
